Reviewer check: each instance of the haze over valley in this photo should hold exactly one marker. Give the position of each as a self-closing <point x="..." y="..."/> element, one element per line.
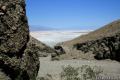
<point x="52" y="37"/>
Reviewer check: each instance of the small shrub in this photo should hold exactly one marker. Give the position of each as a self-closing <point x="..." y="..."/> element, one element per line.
<point x="80" y="73"/>
<point x="90" y="73"/>
<point x="70" y="73"/>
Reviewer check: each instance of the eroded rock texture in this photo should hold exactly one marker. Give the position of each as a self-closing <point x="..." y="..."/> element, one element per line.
<point x="104" y="48"/>
<point x="18" y="57"/>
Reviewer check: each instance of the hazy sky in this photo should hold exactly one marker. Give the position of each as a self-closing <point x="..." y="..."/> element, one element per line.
<point x="72" y="14"/>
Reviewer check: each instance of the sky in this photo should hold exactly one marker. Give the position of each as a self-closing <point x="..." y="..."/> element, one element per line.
<point x="72" y="14"/>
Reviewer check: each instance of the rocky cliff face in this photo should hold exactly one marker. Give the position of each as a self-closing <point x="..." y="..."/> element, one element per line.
<point x="18" y="57"/>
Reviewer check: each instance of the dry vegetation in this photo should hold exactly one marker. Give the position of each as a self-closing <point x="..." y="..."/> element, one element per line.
<point x="84" y="72"/>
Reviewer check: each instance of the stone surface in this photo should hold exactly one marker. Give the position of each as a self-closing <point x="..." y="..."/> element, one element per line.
<point x="18" y="56"/>
<point x="105" y="48"/>
<point x="13" y="26"/>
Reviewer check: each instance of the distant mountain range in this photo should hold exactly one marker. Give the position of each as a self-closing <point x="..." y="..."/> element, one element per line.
<point x="45" y="28"/>
<point x="40" y="28"/>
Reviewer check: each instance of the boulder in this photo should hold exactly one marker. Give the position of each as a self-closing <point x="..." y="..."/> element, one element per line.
<point x="58" y="51"/>
<point x="14" y="32"/>
<point x="18" y="57"/>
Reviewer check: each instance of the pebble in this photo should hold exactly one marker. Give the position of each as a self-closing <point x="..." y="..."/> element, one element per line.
<point x="3" y="8"/>
<point x="1" y="13"/>
<point x="14" y="28"/>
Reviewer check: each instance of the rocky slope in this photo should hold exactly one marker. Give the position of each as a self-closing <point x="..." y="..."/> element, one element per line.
<point x="43" y="49"/>
<point x="105" y="31"/>
<point x="18" y="56"/>
<point x="103" y="43"/>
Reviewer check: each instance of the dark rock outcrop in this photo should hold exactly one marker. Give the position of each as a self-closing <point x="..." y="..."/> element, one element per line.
<point x="58" y="51"/>
<point x="104" y="48"/>
<point x="18" y="57"/>
<point x="13" y="26"/>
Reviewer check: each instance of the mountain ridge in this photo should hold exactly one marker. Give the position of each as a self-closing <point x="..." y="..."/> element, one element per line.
<point x="101" y="32"/>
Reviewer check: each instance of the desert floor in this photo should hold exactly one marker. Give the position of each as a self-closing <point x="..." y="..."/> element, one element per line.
<point x="54" y="68"/>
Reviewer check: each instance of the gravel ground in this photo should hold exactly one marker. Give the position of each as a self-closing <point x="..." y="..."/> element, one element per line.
<point x="55" y="67"/>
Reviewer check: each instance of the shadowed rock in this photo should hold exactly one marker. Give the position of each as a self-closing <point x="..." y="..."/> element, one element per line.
<point x="13" y="26"/>
<point x="18" y="57"/>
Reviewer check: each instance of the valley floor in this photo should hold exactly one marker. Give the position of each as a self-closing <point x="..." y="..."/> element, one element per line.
<point x="55" y="67"/>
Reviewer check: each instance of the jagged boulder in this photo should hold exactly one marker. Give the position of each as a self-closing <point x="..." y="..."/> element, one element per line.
<point x="18" y="57"/>
<point x="13" y="26"/>
<point x="58" y="51"/>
